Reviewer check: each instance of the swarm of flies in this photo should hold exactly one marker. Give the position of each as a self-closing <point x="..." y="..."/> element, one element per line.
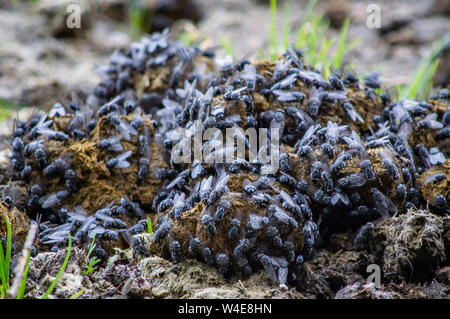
<point x="332" y="174"/>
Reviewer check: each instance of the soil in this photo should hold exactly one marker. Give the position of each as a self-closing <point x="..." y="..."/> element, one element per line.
<point x="339" y="270"/>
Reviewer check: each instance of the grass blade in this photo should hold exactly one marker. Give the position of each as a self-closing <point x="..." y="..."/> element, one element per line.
<point x="262" y="56"/>
<point x="341" y="46"/>
<point x="76" y="295"/>
<point x="426" y="84"/>
<point x="23" y="282"/>
<point x="325" y="46"/>
<point x="61" y="270"/>
<point x="411" y="90"/>
<point x="3" y="286"/>
<point x="302" y="36"/>
<point x="91" y="247"/>
<point x="303" y="28"/>
<point x="5" y="259"/>
<point x="8" y="250"/>
<point x="424" y="74"/>
<point x="226" y="44"/>
<point x="308" y="10"/>
<point x="286" y="27"/>
<point x="312" y="42"/>
<point x="149" y="226"/>
<point x="273" y="41"/>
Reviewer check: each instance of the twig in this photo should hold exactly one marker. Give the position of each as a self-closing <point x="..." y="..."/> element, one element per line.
<point x="244" y="290"/>
<point x="20" y="268"/>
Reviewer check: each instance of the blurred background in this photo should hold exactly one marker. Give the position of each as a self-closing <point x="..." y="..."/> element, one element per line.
<point x="42" y="60"/>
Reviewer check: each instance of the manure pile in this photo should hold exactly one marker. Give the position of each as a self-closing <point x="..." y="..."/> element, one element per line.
<point x="103" y="165"/>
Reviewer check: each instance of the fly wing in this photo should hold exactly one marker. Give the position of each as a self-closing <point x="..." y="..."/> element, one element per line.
<point x="358" y="116"/>
<point x="180" y="200"/>
<point x="174" y="182"/>
<point x="294" y="57"/>
<point x="336" y="197"/>
<point x="287" y="198"/>
<point x="282" y="273"/>
<point x="289" y="80"/>
<point x="246" y="182"/>
<point x="122" y="164"/>
<point x="222" y="181"/>
<point x="208" y="97"/>
<point x="46" y="131"/>
<point x="430" y="178"/>
<point x="125" y="127"/>
<point x="124" y="155"/>
<point x="169" y="104"/>
<point x="282" y="96"/>
<point x="115" y="145"/>
<point x="206" y="184"/>
<point x="275" y="124"/>
<point x="437" y="158"/>
<point x="242" y="89"/>
<point x="119" y="58"/>
<point x="196" y="169"/>
<point x="331" y="129"/>
<point x="385" y="156"/>
<point x="357" y="179"/>
<point x="356" y="138"/>
<point x="249" y="72"/>
<point x="176" y="199"/>
<point x="308" y="134"/>
<point x="79" y="211"/>
<point x="56" y="236"/>
<point x="431" y="117"/>
<point x="232" y="119"/>
<point x="270" y="271"/>
<point x="49" y="201"/>
<point x="87" y="223"/>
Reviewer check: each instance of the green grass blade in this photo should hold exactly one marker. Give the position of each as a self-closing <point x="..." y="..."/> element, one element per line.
<point x="425" y="72"/>
<point x="302" y="36"/>
<point x="262" y="56"/>
<point x="61" y="270"/>
<point x="273" y="39"/>
<point x="286" y="27"/>
<point x="8" y="251"/>
<point x="140" y="17"/>
<point x="5" y="259"/>
<point x="325" y="47"/>
<point x="76" y="295"/>
<point x="92" y="262"/>
<point x="303" y="28"/>
<point x="312" y="42"/>
<point x="186" y="38"/>
<point x="341" y="46"/>
<point x="308" y="10"/>
<point x="23" y="283"/>
<point x="327" y="69"/>
<point x="226" y="44"/>
<point x="3" y="287"/>
<point x="411" y="90"/>
<point x="91" y="247"/>
<point x="137" y="19"/>
<point x="426" y="84"/>
<point x="149" y="226"/>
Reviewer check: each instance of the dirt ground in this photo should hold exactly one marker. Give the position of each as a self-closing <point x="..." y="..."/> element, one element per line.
<point x="416" y="270"/>
<point x="39" y="66"/>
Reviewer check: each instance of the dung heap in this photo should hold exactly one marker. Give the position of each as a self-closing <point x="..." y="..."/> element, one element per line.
<point x="347" y="156"/>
